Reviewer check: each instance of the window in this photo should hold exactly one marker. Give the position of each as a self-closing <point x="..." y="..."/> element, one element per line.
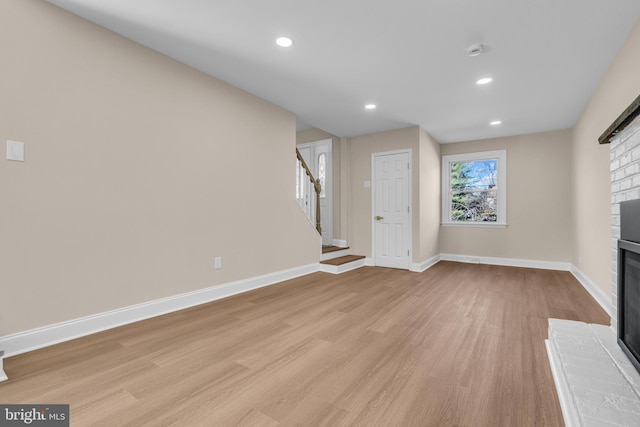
<point x="322" y="173"/>
<point x="299" y="180"/>
<point x="474" y="190"/>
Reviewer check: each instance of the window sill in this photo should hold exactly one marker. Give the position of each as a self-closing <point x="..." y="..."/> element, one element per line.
<point x="475" y="224"/>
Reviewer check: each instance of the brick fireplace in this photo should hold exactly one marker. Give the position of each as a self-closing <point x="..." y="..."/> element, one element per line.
<point x="625" y="185"/>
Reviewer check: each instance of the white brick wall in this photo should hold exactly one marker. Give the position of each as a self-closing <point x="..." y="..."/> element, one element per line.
<point x="625" y="185"/>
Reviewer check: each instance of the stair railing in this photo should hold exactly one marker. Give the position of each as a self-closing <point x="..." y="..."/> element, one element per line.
<point x="311" y="182"/>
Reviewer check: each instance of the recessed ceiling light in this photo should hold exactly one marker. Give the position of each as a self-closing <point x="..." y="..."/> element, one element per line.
<point x="484" y="80"/>
<point x="495" y="123"/>
<point x="284" y="42"/>
<point x="370" y="106"/>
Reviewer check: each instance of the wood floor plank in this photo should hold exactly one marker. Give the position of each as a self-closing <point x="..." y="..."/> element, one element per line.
<point x="459" y="344"/>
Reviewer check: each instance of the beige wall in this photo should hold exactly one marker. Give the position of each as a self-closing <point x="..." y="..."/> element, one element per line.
<point x="139" y="171"/>
<point x="312" y="135"/>
<point x="539" y="212"/>
<point x="430" y="200"/>
<point x="591" y="180"/>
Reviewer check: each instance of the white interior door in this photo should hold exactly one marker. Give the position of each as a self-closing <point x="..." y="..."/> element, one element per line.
<point x="391" y="216"/>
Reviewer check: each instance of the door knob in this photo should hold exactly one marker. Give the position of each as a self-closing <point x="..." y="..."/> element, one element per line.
<point x="378" y="217"/>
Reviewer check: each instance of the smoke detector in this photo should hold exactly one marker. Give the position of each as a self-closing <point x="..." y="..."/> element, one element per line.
<point x="475" y="50"/>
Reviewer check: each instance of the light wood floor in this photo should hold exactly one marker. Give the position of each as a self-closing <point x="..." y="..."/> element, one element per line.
<point x="459" y="344"/>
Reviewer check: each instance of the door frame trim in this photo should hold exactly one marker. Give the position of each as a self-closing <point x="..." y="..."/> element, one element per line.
<point x="409" y="236"/>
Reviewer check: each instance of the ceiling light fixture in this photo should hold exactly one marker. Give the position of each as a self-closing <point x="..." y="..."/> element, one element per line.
<point x="495" y="123"/>
<point x="370" y="106"/>
<point x="284" y="42"/>
<point x="484" y="81"/>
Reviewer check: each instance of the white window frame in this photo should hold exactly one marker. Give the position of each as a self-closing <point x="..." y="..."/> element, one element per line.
<point x="501" y="157"/>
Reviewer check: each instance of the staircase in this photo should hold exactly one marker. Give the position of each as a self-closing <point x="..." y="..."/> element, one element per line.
<point x="337" y="260"/>
<point x="308" y="191"/>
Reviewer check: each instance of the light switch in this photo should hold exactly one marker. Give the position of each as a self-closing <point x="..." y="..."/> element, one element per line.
<point x="367" y="184"/>
<point x="15" y="151"/>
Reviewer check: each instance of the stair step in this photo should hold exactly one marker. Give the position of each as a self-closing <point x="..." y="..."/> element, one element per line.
<point x="342" y="264"/>
<point x="329" y="249"/>
<point x="342" y="260"/>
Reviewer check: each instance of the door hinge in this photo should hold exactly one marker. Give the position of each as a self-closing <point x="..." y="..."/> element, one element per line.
<point x="407" y="253"/>
<point x="407" y="209"/>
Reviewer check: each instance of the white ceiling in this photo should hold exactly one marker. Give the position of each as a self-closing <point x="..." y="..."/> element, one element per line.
<point x="407" y="56"/>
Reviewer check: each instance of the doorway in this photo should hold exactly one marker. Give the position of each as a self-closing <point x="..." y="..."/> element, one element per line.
<point x="318" y="156"/>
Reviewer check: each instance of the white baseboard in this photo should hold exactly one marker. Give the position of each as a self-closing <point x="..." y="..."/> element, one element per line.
<point x="596" y="292"/>
<point x="509" y="262"/>
<point x="593" y="289"/>
<point x="53" y="334"/>
<point x="339" y="243"/>
<point x="419" y="267"/>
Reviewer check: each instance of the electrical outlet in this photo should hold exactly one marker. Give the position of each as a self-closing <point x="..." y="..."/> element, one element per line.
<point x="218" y="263"/>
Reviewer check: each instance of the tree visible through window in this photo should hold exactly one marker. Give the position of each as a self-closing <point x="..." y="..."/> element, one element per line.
<point x="474" y="191"/>
<point x="474" y="188"/>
